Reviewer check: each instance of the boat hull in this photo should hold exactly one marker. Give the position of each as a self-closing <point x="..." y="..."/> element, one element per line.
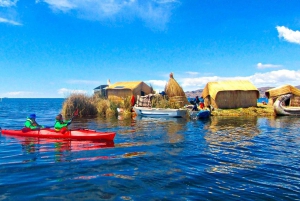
<point x="202" y="114"/>
<point x="79" y="134"/>
<point x="64" y="144"/>
<point x="281" y="110"/>
<point x="160" y="112"/>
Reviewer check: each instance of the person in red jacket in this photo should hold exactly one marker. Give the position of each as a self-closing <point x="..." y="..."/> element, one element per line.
<point x="132" y="100"/>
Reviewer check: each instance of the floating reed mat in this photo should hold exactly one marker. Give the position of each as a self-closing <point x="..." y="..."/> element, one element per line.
<point x="260" y="110"/>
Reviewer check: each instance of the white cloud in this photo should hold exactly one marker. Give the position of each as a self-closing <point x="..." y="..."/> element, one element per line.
<point x="63" y="5"/>
<point x="192" y="73"/>
<point x="3" y="20"/>
<point x="262" y="66"/>
<point x="158" y="85"/>
<point x="166" y="1"/>
<point x="64" y="91"/>
<point x="8" y="3"/>
<point x="276" y="78"/>
<point x="86" y="82"/>
<point x="288" y="34"/>
<point x="18" y="94"/>
<point x="155" y="16"/>
<point x="8" y="13"/>
<point x="15" y="93"/>
<point x="155" y="13"/>
<point x="268" y="79"/>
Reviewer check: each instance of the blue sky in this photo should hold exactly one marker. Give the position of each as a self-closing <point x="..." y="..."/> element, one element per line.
<point x="51" y="48"/>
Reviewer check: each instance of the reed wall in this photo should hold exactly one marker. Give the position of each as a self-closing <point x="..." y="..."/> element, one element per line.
<point x="233" y="99"/>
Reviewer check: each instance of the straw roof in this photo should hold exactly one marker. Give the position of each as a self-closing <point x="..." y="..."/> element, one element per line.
<point x="125" y="85"/>
<point x="172" y="88"/>
<point x="285" y="89"/>
<point x="212" y="88"/>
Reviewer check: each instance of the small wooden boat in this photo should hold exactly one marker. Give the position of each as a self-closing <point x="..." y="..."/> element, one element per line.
<point x="160" y="112"/>
<point x="78" y="134"/>
<point x="201" y="114"/>
<point x="280" y="109"/>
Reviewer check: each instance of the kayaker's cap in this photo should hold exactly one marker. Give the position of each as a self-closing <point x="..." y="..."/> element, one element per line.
<point x="58" y="117"/>
<point x="32" y="116"/>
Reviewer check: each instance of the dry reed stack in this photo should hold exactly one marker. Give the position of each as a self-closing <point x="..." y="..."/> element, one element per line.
<point x="175" y="92"/>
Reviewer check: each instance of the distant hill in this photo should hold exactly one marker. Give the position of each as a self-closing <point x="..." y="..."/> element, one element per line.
<point x="198" y="92"/>
<point x="262" y="91"/>
<point x="193" y="94"/>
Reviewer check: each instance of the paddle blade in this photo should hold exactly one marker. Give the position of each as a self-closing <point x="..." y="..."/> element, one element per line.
<point x="75" y="113"/>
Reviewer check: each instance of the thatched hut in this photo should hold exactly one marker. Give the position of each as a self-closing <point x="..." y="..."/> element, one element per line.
<point x="174" y="92"/>
<point x="101" y="90"/>
<point x="274" y="93"/>
<point x="230" y="94"/>
<point x="120" y="90"/>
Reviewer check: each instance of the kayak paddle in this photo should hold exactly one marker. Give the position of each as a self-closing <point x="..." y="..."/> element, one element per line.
<point x="75" y="113"/>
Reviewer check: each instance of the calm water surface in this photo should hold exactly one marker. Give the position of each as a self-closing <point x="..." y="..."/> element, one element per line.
<point x="150" y="159"/>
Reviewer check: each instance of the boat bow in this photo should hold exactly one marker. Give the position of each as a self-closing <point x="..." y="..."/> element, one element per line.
<point x="280" y="109"/>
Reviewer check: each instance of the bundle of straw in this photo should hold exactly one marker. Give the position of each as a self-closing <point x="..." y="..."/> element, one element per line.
<point x="172" y="88"/>
<point x="175" y="92"/>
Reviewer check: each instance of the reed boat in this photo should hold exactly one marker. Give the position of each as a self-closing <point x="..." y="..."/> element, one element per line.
<point x="282" y="110"/>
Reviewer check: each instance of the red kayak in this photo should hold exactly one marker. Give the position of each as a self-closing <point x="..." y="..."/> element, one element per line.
<point x="78" y="134"/>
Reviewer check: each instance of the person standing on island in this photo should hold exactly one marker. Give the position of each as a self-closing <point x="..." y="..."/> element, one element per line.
<point x="197" y="100"/>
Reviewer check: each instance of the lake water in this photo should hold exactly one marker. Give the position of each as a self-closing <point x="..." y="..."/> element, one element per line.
<point x="151" y="159"/>
<point x="260" y="100"/>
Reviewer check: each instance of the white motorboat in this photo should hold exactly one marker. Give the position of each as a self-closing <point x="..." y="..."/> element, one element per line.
<point x="160" y="112"/>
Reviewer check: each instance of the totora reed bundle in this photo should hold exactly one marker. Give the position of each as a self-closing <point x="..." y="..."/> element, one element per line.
<point x="175" y="92"/>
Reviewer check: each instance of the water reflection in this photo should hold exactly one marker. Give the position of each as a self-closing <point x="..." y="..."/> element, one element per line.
<point x="231" y="129"/>
<point x="61" y="145"/>
<point x="229" y="140"/>
<point x="172" y="126"/>
<point x="284" y="121"/>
